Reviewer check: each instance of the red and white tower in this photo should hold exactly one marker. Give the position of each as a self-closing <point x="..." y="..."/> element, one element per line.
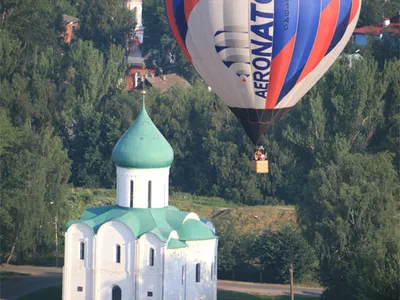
<point x="134" y="57"/>
<point x="136" y="6"/>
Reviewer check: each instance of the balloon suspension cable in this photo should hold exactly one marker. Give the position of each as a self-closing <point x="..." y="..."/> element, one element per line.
<point x="262" y="135"/>
<point x="273" y="119"/>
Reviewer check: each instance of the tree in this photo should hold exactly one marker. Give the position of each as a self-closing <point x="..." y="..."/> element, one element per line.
<point x="104" y="22"/>
<point x="18" y="17"/>
<point x="276" y="251"/>
<point x="349" y="213"/>
<point x="341" y="113"/>
<point x="94" y="75"/>
<point x="387" y="135"/>
<point x="160" y="44"/>
<point x="374" y="11"/>
<point x="10" y="51"/>
<point x="233" y="247"/>
<point x="34" y="166"/>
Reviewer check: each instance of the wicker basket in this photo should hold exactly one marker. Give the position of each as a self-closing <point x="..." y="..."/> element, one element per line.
<point x="259" y="166"/>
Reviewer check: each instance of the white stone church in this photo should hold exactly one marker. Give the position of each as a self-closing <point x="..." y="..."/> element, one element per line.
<point x="140" y="248"/>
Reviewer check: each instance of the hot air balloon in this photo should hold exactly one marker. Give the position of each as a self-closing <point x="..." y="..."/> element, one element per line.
<point x="261" y="56"/>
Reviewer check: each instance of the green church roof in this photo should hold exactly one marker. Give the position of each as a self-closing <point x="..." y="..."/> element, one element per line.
<point x="175" y="244"/>
<point x="159" y="221"/>
<point x="194" y="230"/>
<point x="143" y="146"/>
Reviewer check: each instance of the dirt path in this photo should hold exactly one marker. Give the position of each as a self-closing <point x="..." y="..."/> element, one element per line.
<point x="42" y="277"/>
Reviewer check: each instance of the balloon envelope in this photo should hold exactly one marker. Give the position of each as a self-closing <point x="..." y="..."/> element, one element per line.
<point x="261" y="56"/>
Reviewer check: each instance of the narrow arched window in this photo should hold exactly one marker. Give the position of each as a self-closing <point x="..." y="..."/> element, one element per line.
<point x="212" y="270"/>
<point x="183" y="274"/>
<point x="82" y="251"/>
<point x="151" y="257"/>
<point x="117" y="253"/>
<point x="131" y="194"/>
<point x="198" y="273"/>
<point x="149" y="195"/>
<point x="116" y="293"/>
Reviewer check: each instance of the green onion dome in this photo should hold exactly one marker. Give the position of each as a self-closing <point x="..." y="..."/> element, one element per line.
<point x="143" y="146"/>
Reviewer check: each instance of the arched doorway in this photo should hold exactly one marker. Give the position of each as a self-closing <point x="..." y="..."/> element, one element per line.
<point x="116" y="293"/>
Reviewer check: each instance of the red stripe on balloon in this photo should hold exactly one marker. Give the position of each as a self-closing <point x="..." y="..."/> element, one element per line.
<point x="279" y="68"/>
<point x="172" y="22"/>
<point x="326" y="30"/>
<point x="354" y="9"/>
<point x="189" y="5"/>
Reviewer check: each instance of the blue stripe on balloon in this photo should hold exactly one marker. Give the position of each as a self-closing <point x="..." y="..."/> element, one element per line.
<point x="285" y="24"/>
<point x="343" y="20"/>
<point x="220" y="48"/>
<point x="219" y="32"/>
<point x="309" y="16"/>
<point x="180" y="19"/>
<point x="228" y="63"/>
<point x="325" y="4"/>
<point x="288" y="85"/>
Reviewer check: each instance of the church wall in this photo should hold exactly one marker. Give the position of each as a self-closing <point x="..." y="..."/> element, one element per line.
<point x="108" y="271"/>
<point x="205" y="254"/>
<point x="78" y="263"/>
<point x="159" y="187"/>
<point x="174" y="278"/>
<point x="149" y="276"/>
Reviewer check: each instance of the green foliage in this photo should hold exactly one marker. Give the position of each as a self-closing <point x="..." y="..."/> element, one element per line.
<point x="164" y="51"/>
<point x="34" y="166"/>
<point x="18" y="17"/>
<point x="104" y="22"/>
<point x="373" y="11"/>
<point x="273" y="252"/>
<point x="335" y="155"/>
<point x="49" y="91"/>
<point x="228" y="295"/>
<point x="341" y="114"/>
<point x="232" y="247"/>
<point x="10" y="50"/>
<point x="350" y="214"/>
<point x="264" y="256"/>
<point x="54" y="292"/>
<point x="387" y="136"/>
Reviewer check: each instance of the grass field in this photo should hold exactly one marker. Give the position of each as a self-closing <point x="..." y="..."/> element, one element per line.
<point x="51" y="293"/>
<point x="226" y="295"/>
<point x="250" y="218"/>
<point x="54" y="293"/>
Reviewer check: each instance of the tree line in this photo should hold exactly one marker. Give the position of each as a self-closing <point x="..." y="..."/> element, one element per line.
<point x="335" y="155"/>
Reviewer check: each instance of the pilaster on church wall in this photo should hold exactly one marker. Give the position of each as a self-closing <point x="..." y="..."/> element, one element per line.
<point x="108" y="271"/>
<point x="149" y="278"/>
<point x="175" y="274"/>
<point x="203" y="252"/>
<point x="78" y="272"/>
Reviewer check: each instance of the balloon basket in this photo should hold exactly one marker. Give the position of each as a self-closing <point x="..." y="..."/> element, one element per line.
<point x="259" y="166"/>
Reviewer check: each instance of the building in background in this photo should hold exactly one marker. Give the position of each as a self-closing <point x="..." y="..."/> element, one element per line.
<point x="136" y="6"/>
<point x="389" y="27"/>
<point x="133" y="55"/>
<point x="140" y="248"/>
<point x="71" y="26"/>
<point x="166" y="81"/>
